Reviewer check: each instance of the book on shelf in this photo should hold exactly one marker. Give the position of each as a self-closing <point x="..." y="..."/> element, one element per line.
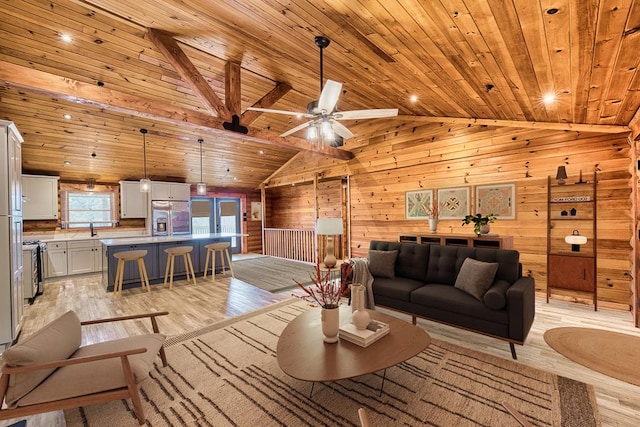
<point x="364" y="337"/>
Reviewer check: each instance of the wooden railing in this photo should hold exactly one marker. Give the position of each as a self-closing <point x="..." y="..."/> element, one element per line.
<point x="299" y="245"/>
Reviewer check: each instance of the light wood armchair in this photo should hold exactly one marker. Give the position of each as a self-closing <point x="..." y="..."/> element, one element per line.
<point x="50" y="371"/>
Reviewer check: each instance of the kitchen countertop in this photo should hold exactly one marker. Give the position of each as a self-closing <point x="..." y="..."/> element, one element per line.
<point x="160" y="239"/>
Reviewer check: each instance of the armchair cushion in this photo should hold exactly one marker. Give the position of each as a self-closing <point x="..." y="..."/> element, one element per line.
<point x="57" y="340"/>
<point x="92" y="377"/>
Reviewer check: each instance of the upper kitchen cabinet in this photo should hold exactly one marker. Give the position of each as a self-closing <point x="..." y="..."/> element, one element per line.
<point x="170" y="191"/>
<point x="40" y="197"/>
<point x="133" y="202"/>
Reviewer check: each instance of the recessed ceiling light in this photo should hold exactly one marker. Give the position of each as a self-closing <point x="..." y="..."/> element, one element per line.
<point x="413" y="98"/>
<point x="66" y="38"/>
<point x="67" y="116"/>
<point x="67" y="162"/>
<point x="261" y="152"/>
<point x="549" y="98"/>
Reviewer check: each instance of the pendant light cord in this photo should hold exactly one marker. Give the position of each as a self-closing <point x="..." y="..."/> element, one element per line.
<point x="200" y="141"/>
<point x="144" y="150"/>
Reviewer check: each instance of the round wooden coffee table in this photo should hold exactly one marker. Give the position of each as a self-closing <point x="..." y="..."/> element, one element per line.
<point x="302" y="354"/>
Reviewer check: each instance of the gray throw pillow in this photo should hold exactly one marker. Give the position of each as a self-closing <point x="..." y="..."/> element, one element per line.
<point x="382" y="263"/>
<point x="476" y="277"/>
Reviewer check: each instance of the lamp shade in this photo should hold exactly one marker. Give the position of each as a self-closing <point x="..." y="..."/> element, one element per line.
<point x="329" y="226"/>
<point x="562" y="173"/>
<point x="573" y="239"/>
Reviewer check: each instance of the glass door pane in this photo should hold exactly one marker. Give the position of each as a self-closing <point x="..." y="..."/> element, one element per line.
<point x="228" y="220"/>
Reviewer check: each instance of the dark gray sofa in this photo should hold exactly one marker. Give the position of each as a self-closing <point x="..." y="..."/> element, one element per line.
<point x="423" y="286"/>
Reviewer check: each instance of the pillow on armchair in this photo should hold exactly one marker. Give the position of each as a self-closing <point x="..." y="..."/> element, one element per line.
<point x="57" y="340"/>
<point x="383" y="263"/>
<point x="476" y="277"/>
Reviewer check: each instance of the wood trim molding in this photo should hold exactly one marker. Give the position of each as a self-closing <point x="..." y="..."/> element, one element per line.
<point x="232" y="88"/>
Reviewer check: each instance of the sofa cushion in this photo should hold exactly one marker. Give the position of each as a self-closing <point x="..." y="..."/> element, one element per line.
<point x="398" y="288"/>
<point x="508" y="260"/>
<point x="412" y="261"/>
<point x="444" y="264"/>
<point x="453" y="300"/>
<point x="496" y="297"/>
<point x="382" y="263"/>
<point x="92" y="377"/>
<point x="476" y="277"/>
<point x="57" y="340"/>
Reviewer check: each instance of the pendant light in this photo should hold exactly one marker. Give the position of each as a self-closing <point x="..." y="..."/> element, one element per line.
<point x="201" y="187"/>
<point x="145" y="183"/>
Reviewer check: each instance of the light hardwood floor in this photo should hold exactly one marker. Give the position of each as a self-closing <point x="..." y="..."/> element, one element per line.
<point x="193" y="307"/>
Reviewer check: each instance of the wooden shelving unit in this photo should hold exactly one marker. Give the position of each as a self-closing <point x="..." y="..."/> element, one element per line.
<point x="489" y="241"/>
<point x="571" y="208"/>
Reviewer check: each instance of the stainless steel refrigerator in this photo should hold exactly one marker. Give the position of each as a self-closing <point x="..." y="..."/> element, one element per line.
<point x="11" y="269"/>
<point x="171" y="217"/>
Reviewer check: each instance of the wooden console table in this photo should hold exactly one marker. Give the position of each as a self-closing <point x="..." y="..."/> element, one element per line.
<point x="488" y="241"/>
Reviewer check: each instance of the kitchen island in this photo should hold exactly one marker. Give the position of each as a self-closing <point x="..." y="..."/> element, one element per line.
<point x="156" y="258"/>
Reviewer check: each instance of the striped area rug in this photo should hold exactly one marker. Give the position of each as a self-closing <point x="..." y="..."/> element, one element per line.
<point x="227" y="375"/>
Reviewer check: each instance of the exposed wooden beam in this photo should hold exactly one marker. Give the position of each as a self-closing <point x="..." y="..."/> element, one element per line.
<point x="578" y="127"/>
<point x="102" y="97"/>
<point x="266" y="101"/>
<point x="634" y="124"/>
<point x="189" y="73"/>
<point x="232" y="88"/>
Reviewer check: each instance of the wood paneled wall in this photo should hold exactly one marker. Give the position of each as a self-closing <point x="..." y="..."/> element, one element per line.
<point x="389" y="163"/>
<point x="297" y="207"/>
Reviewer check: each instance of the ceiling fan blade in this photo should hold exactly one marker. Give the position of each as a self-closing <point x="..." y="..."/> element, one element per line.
<point x="329" y="96"/>
<point x="288" y="113"/>
<point x="365" y="114"/>
<point x="341" y="130"/>
<point x="295" y="129"/>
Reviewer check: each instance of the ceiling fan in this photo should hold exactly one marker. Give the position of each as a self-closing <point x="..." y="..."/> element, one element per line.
<point x="324" y="121"/>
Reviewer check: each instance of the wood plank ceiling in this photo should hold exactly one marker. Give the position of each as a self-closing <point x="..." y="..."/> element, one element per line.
<point x="463" y="59"/>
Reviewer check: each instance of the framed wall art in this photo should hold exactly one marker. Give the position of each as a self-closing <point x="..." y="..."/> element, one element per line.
<point x="418" y="204"/>
<point x="454" y="202"/>
<point x="256" y="211"/>
<point x="498" y="199"/>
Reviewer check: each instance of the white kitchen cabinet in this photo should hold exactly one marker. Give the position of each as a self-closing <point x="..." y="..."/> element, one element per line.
<point x="170" y="191"/>
<point x="133" y="202"/>
<point x="97" y="255"/>
<point x="40" y="197"/>
<point x="56" y="259"/>
<point x="80" y="257"/>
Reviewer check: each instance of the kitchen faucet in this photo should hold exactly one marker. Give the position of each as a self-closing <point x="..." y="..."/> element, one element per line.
<point x="93" y="233"/>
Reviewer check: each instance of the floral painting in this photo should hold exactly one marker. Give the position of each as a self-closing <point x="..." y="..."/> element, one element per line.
<point x="418" y="204"/>
<point x="454" y="202"/>
<point x="498" y="199"/>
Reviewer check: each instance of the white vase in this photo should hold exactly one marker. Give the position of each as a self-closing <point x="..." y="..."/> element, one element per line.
<point x="360" y="317"/>
<point x="433" y="225"/>
<point x="484" y="229"/>
<point x="330" y="324"/>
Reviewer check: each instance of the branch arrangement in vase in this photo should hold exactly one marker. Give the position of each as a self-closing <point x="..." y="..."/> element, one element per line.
<point x="324" y="291"/>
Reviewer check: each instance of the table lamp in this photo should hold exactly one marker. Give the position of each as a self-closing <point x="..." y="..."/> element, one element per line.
<point x="575" y="240"/>
<point x="561" y="175"/>
<point x="329" y="227"/>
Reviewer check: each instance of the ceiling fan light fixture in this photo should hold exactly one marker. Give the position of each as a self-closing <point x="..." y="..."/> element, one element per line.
<point x="312" y="132"/>
<point x="327" y="130"/>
